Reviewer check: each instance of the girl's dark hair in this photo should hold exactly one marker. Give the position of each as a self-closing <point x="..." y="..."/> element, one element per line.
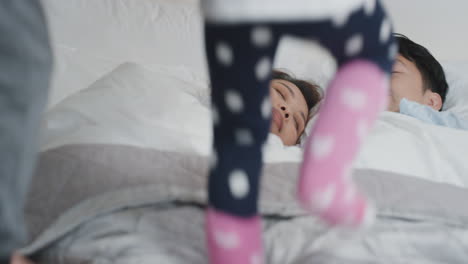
<point x="311" y="91"/>
<point x="432" y="72"/>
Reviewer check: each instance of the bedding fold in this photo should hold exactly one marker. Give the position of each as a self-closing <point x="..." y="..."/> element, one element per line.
<point x="77" y="183"/>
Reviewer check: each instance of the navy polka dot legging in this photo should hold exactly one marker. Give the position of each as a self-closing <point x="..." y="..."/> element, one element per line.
<point x="240" y="56"/>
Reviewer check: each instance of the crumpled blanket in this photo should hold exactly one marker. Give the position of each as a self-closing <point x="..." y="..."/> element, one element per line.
<point x="121" y="204"/>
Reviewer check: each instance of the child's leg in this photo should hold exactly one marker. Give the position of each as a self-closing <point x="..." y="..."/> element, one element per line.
<point x="239" y="59"/>
<point x="240" y="68"/>
<point x="353" y="100"/>
<point x="355" y="97"/>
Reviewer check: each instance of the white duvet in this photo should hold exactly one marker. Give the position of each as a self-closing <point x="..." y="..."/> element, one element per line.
<point x="136" y="106"/>
<point x="161" y="100"/>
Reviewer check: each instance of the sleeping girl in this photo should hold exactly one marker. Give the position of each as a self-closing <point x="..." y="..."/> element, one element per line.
<point x="291" y="103"/>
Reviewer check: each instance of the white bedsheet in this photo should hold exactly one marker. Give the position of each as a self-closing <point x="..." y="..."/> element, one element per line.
<point x="136" y="106"/>
<point x="407" y="145"/>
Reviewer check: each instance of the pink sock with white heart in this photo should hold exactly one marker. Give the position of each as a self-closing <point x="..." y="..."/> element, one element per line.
<point x="233" y="240"/>
<point x="353" y="100"/>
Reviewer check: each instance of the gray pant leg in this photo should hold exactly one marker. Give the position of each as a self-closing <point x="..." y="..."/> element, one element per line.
<point x="25" y="68"/>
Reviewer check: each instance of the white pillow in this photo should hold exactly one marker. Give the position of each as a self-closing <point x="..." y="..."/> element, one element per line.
<point x="134" y="106"/>
<point x="457" y="96"/>
<point x="75" y="70"/>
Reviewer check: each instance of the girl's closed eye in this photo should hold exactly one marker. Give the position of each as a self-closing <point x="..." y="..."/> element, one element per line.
<point x="281" y="94"/>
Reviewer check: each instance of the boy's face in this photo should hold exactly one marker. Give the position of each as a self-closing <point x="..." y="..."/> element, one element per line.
<point x="407" y="82"/>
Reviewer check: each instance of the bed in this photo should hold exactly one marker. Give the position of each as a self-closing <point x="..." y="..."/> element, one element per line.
<point x="126" y="145"/>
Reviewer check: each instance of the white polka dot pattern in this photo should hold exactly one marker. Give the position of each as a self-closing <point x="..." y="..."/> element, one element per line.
<point x="385" y="31"/>
<point x="322" y="146"/>
<point x="244" y="137"/>
<point x="263" y="68"/>
<point x="354" y="45"/>
<point x="335" y="193"/>
<point x="226" y="240"/>
<point x="234" y="101"/>
<point x="224" y="54"/>
<point x="340" y="19"/>
<point x="369" y="7"/>
<point x="322" y="199"/>
<point x="239" y="184"/>
<point x="353" y="99"/>
<point x="261" y="36"/>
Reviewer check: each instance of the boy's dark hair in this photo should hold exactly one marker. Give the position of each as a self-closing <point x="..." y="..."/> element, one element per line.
<point x="432" y="72"/>
<point x="311" y="91"/>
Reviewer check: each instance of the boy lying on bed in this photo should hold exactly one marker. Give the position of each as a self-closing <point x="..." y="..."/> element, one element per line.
<point x="419" y="87"/>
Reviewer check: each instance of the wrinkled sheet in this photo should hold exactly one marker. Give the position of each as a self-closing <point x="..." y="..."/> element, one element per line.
<point x="174" y="234"/>
<point x="121" y="204"/>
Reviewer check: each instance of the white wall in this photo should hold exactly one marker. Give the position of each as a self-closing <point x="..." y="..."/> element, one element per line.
<point x="439" y="25"/>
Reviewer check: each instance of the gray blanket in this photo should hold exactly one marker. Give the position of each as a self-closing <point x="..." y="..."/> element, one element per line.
<point x="82" y="195"/>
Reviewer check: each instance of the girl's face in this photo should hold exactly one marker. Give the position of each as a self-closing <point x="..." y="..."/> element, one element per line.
<point x="289" y="111"/>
